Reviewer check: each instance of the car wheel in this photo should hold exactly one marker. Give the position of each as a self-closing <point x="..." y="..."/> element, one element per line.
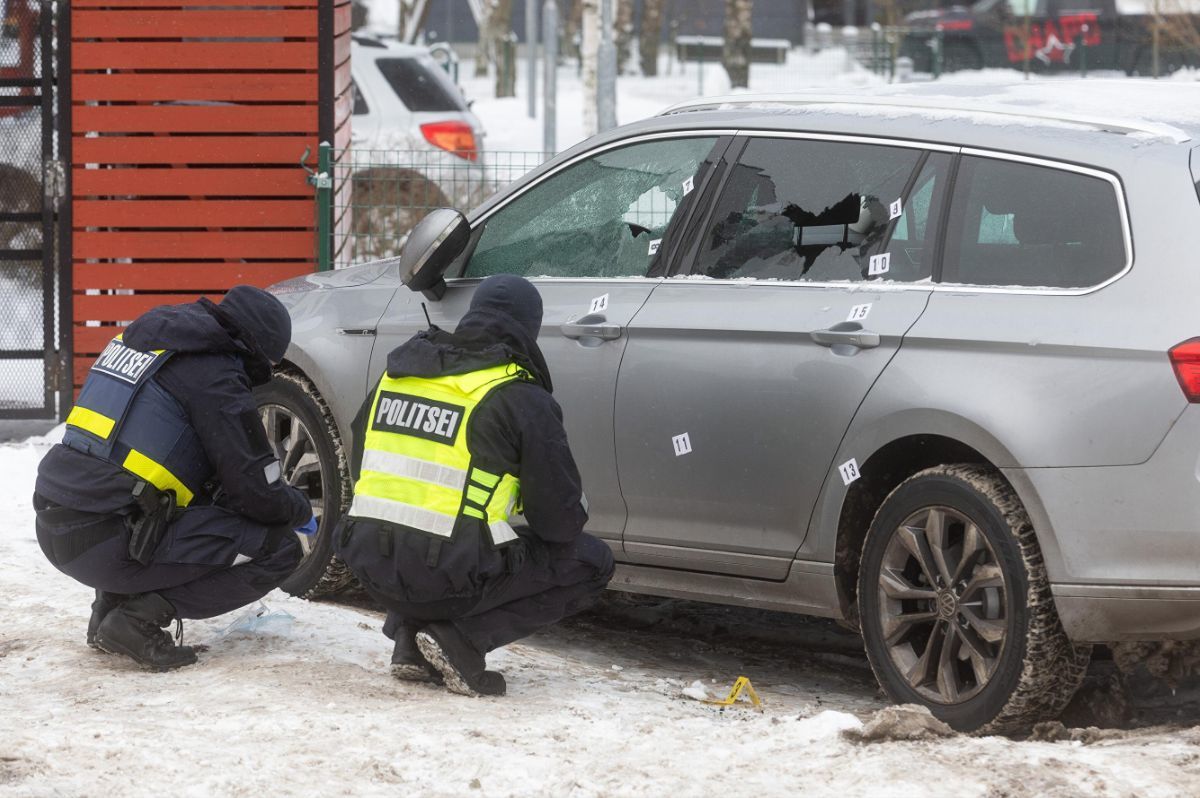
<point x="955" y="604"/>
<point x="301" y="430"/>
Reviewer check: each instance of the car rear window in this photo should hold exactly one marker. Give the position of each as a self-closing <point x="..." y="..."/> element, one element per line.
<point x="421" y="85"/>
<point x="1025" y="225"/>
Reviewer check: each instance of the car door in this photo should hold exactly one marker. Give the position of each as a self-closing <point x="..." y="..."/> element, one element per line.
<point x="588" y="235"/>
<point x="738" y="384"/>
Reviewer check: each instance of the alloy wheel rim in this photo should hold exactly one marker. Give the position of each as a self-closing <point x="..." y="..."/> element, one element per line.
<point x="943" y="606"/>
<point x="300" y="466"/>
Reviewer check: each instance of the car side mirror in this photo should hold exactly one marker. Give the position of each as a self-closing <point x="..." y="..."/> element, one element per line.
<point x="432" y="246"/>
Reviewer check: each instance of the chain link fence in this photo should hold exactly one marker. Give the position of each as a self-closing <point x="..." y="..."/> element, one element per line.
<point x="26" y="298"/>
<point x="377" y="196"/>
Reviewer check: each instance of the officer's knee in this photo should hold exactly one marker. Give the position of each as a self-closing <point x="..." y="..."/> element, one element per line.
<point x="596" y="553"/>
<point x="290" y="551"/>
<point x="283" y="550"/>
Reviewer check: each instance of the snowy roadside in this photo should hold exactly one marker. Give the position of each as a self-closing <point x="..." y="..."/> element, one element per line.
<point x="595" y="707"/>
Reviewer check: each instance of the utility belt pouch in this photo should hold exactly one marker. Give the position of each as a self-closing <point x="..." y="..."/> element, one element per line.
<point x="148" y="524"/>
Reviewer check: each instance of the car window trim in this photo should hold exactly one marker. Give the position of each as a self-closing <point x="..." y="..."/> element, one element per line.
<point x="1122" y="211"/>
<point x="687" y="259"/>
<point x="680" y="230"/>
<point x="687" y="265"/>
<point x="458" y="268"/>
<point x="957" y="288"/>
<point x="945" y="210"/>
<point x="905" y="195"/>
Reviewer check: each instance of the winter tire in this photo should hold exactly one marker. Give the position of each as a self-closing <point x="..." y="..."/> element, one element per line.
<point x="955" y="604"/>
<point x="300" y="428"/>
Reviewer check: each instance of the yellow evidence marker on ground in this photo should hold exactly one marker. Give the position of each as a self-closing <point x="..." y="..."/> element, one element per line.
<point x="741" y="685"/>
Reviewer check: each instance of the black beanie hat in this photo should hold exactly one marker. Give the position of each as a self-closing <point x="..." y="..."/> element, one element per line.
<point x="513" y="296"/>
<point x="261" y="315"/>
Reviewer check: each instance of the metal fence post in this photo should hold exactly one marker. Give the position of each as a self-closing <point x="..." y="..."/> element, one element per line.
<point x="531" y="53"/>
<point x="939" y="42"/>
<point x="323" y="180"/>
<point x="1083" y="52"/>
<point x="550" y="82"/>
<point x="877" y="65"/>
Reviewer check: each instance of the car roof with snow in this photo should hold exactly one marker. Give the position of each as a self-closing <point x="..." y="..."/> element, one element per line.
<point x="1114" y="119"/>
<point x="1159" y="110"/>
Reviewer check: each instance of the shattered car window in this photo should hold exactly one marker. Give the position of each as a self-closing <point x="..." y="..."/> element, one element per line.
<point x="602" y="217"/>
<point x="808" y="210"/>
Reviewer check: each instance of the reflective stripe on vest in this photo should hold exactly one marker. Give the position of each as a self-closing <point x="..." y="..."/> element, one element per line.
<point x="124" y="418"/>
<point x="417" y="469"/>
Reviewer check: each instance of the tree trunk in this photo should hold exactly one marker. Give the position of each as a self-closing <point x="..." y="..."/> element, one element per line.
<point x="482" y="51"/>
<point x="736" y="57"/>
<point x="623" y="35"/>
<point x="499" y="26"/>
<point x="571" y="36"/>
<point x="651" y="34"/>
<point x="589" y="55"/>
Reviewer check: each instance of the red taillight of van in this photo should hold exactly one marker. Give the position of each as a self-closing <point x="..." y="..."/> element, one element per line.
<point x="453" y="137"/>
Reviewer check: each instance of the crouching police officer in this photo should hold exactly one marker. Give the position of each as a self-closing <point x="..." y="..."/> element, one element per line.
<point x="165" y="495"/>
<point x="461" y="432"/>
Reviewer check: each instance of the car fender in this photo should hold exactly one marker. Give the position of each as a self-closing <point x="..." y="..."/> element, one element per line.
<point x="333" y="332"/>
<point x="870" y="433"/>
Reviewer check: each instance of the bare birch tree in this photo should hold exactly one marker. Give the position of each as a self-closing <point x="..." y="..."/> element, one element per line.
<point x="736" y="55"/>
<point x="590" y="58"/>
<point x="483" y="54"/>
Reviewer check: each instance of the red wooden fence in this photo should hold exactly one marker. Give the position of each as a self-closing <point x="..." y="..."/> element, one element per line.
<point x="189" y="119"/>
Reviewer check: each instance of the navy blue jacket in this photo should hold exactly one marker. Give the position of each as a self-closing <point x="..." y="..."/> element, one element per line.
<point x="216" y="362"/>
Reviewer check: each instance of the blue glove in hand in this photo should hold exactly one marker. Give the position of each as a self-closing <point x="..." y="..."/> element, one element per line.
<point x="309" y="528"/>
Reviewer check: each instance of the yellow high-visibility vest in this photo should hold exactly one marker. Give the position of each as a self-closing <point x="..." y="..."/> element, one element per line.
<point x="417" y="470"/>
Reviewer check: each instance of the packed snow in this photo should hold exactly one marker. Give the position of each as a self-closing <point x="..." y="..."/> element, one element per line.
<point x="299" y="701"/>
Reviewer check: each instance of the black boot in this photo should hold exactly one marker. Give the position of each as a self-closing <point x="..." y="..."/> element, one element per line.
<point x="407" y="663"/>
<point x="460" y="664"/>
<point x="135" y="630"/>
<point x="102" y="606"/>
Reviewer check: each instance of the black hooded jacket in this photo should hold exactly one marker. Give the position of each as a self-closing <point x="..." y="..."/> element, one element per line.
<point x="517" y="429"/>
<point x="219" y="353"/>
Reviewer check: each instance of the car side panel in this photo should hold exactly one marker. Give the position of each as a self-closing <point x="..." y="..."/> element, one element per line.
<point x="735" y="368"/>
<point x="1075" y="387"/>
<point x="336" y="362"/>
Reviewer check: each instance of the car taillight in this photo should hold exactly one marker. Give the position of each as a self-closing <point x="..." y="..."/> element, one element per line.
<point x="1185" y="359"/>
<point x="454" y="137"/>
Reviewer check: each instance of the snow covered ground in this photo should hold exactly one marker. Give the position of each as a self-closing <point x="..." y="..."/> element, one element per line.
<point x="596" y="707"/>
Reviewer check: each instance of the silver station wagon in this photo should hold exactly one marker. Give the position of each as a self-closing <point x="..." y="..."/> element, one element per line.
<point x="923" y="361"/>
